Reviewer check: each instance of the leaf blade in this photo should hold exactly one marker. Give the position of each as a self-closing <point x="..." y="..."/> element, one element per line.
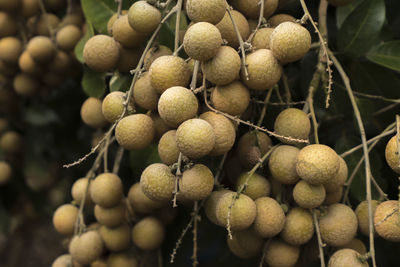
<point x="387" y="55"/>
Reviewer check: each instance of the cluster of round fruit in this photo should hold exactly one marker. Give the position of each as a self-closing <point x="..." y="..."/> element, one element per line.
<point x="36" y="49"/>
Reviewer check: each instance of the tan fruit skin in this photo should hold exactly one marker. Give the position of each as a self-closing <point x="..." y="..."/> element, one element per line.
<point x="68" y="37"/>
<point x="262" y="38"/>
<point x="64" y="219"/>
<point x="86" y="247"/>
<point x="263" y="69"/>
<point x="11" y="142"/>
<point x="168" y="149"/>
<point x="112" y="19"/>
<point x="282" y="164"/>
<point x="78" y="191"/>
<point x="307" y="195"/>
<point x="121" y="259"/>
<point x="91" y="113"/>
<point x="112" y="106"/>
<point x="110" y="217"/>
<point x="357" y="245"/>
<point x="227" y="30"/>
<point x="281" y="254"/>
<point x="294" y="123"/>
<point x="258" y="186"/>
<point x="125" y="34"/>
<point x="148" y="234"/>
<point x="106" y="190"/>
<point x="232" y="98"/>
<point x="154" y="53"/>
<point x="339" y="226"/>
<point x="392" y="159"/>
<point x="346" y="257"/>
<point x="245" y="244"/>
<point x="101" y="53"/>
<point x="144" y="17"/>
<point x="129" y="58"/>
<point x="299" y="227"/>
<point x="140" y="202"/>
<point x="157" y="182"/>
<point x="159" y="124"/>
<point x="10" y="49"/>
<point x="197" y="182"/>
<point x="211" y="11"/>
<point x="251" y="147"/>
<point x="135" y="131"/>
<point x="117" y="238"/>
<point x="333" y="197"/>
<point x="270" y="218"/>
<point x="210" y="206"/>
<point x="251" y="8"/>
<point x="5" y="172"/>
<point x="362" y="216"/>
<point x="25" y="85"/>
<point x="144" y="93"/>
<point x="64" y="260"/>
<point x="277" y="19"/>
<point x="390" y="228"/>
<point x="340" y="178"/>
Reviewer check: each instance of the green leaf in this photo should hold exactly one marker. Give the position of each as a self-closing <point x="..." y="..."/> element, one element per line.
<point x="81" y="44"/>
<point x="387" y="55"/>
<point x="93" y="83"/>
<point x="344" y="11"/>
<point x="362" y="27"/>
<point x="120" y="82"/>
<point x="98" y="12"/>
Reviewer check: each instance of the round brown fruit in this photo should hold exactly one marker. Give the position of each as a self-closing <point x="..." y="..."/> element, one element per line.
<point x="106" y="190"/>
<point x="257" y="185"/>
<point x="245" y="244"/>
<point x="387" y="220"/>
<point x="5" y="172"/>
<point x="144" y="17"/>
<point x="392" y="156"/>
<point x="346" y="257"/>
<point x="251" y="8"/>
<point x="157" y="182"/>
<point x="86" y="247"/>
<point x="101" y="53"/>
<point x="282" y="164"/>
<point x="281" y="254"/>
<point x="197" y="182"/>
<point x="148" y="233"/>
<point x="135" y="131"/>
<point x="91" y="113"/>
<point x="145" y="95"/>
<point x="110" y="217"/>
<point x="292" y="123"/>
<point x="125" y="34"/>
<point x="308" y="196"/>
<point x="11" y="49"/>
<point x="64" y="219"/>
<point x="168" y="149"/>
<point x="211" y="11"/>
<point x="67" y="37"/>
<point x="299" y="227"/>
<point x="362" y="216"/>
<point x="140" y="202"/>
<point x="117" y="238"/>
<point x="277" y="19"/>
<point x="270" y="218"/>
<point x="251" y="147"/>
<point x="228" y="33"/>
<point x="233" y="98"/>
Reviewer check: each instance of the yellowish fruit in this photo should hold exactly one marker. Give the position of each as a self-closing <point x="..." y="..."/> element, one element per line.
<point x="338" y="226"/>
<point x="144" y="17"/>
<point x="195" y="138"/>
<point x="362" y="216"/>
<point x="111" y="217"/>
<point x="299" y="227"/>
<point x="257" y="185"/>
<point x="340" y="178"/>
<point x="5" y="172"/>
<point x="210" y="206"/>
<point x="99" y="263"/>
<point x="122" y="259"/>
<point x="232" y="98"/>
<point x="129" y="58"/>
<point x="290" y="42"/>
<point x="211" y="11"/>
<point x="79" y="189"/>
<point x="197" y="182"/>
<point x="251" y="8"/>
<point x="106" y="190"/>
<point x="339" y="2"/>
<point x="169" y="71"/>
<point x="391" y="155"/>
<point x="292" y="123"/>
<point x="176" y="105"/>
<point x="282" y="164"/>
<point x="67" y="37"/>
<point x="41" y="49"/>
<point x="245" y="244"/>
<point x="112" y="19"/>
<point x="277" y="19"/>
<point x="8" y="26"/>
<point x="135" y="131"/>
<point x="60" y="63"/>
<point x="140" y="202"/>
<point x="227" y="30"/>
<point x="317" y="164"/>
<point x="251" y="147"/>
<point x="44" y="22"/>
<point x="154" y="53"/>
<point x="307" y="195"/>
<point x="65" y="261"/>
<point x="387" y="220"/>
<point x="262" y="38"/>
<point x="270" y="218"/>
<point x="357" y="245"/>
<point x="144" y="93"/>
<point x="224" y="67"/>
<point x="125" y="34"/>
<point x="64" y="219"/>
<point x="333" y="197"/>
<point x="148" y="233"/>
<point x="25" y="85"/>
<point x="224" y="131"/>
<point x="28" y="65"/>
<point x="11" y="142"/>
<point x="243" y="211"/>
<point x="159" y="124"/>
<point x="117" y="238"/>
<point x="91" y="113"/>
<point x="101" y="53"/>
<point x="168" y="149"/>
<point x="112" y="106"/>
<point x="10" y="49"/>
<point x="346" y="257"/>
<point x="157" y="182"/>
<point x="281" y="254"/>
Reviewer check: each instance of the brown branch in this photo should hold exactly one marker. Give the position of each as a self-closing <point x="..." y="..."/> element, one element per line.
<point x="195" y="214"/>
<point x="178" y="174"/>
<point x="118" y="159"/>
<point x="178" y="8"/>
<point x="264" y="109"/>
<point x="194" y="76"/>
<point x="321" y="245"/>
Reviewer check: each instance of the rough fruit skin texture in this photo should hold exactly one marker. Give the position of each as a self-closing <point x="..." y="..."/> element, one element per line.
<point x="168" y="149"/>
<point x="245" y="244"/>
<point x="263" y="69"/>
<point x="346" y="257"/>
<point x="10" y="49"/>
<point x="251" y="147"/>
<point x="282" y="164"/>
<point x="333" y="197"/>
<point x="197" y="182"/>
<point x="277" y="19"/>
<point x="293" y="123"/>
<point x="339" y="179"/>
<point x="195" y="138"/>
<point x="243" y="211"/>
<point x="262" y="38"/>
<point x="251" y="8"/>
<point x="362" y="216"/>
<point x="290" y="42"/>
<point x="210" y="206"/>
<point x="148" y="234"/>
<point x="91" y="113"/>
<point x="224" y="131"/>
<point x="270" y="218"/>
<point x="232" y="98"/>
<point x="211" y="11"/>
<point x="140" y="202"/>
<point x="317" y="164"/>
<point x="28" y="65"/>
<point x="339" y="2"/>
<point x="106" y="190"/>
<point x="86" y="248"/>
<point x="390" y="228"/>
<point x="78" y="190"/>
<point x="144" y="93"/>
<point x="201" y="41"/>
<point x="154" y="53"/>
<point x="281" y="254"/>
<point x="169" y="71"/>
<point x="176" y="105"/>
<point x="121" y="259"/>
<point x="110" y="217"/>
<point x="117" y="238"/>
<point x="125" y="34"/>
<point x="157" y="182"/>
<point x="357" y="245"/>
<point x="68" y="37"/>
<point x="299" y="227"/>
<point x="112" y="19"/>
<point x="307" y="195"/>
<point x="227" y="30"/>
<point x="144" y="17"/>
<point x="339" y="226"/>
<point x="64" y="219"/>
<point x="392" y="159"/>
<point x="135" y="131"/>
<point x="224" y="67"/>
<point x="159" y="124"/>
<point x="5" y="172"/>
<point x="113" y="106"/>
<point x="258" y="186"/>
<point x="101" y="53"/>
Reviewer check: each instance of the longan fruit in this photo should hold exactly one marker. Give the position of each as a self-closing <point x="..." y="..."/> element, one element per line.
<point x="99" y="263"/>
<point x="125" y="34"/>
<point x="391" y="155"/>
<point x="252" y="146"/>
<point x="65" y="260"/>
<point x="44" y="22"/>
<point x="67" y="37"/>
<point x="159" y="124"/>
<point x="101" y="53"/>
<point x="60" y="63"/>
<point x="233" y="98"/>
<point x="387" y="220"/>
<point x="228" y="33"/>
<point x="148" y="233"/>
<point x="333" y="197"/>
<point x="282" y="164"/>
<point x="242" y="214"/>
<point x="169" y="71"/>
<point x="117" y="238"/>
<point x="339" y="225"/>
<point x="11" y="142"/>
<point x="176" y="105"/>
<point x="197" y="182"/>
<point x="122" y="259"/>
<point x="135" y="131"/>
<point x="112" y="106"/>
<point x="10" y="49"/>
<point x="339" y="179"/>
<point x="157" y="182"/>
<point x="154" y="53"/>
<point x="224" y="67"/>
<point x="362" y="216"/>
<point x="245" y="244"/>
<point x="257" y="186"/>
<point x="8" y="25"/>
<point x="112" y="216"/>
<point x="307" y="195"/>
<point x="251" y="8"/>
<point x="317" y="164"/>
<point x="211" y="11"/>
<point x="112" y="19"/>
<point x="357" y="245"/>
<point x="299" y="227"/>
<point x="210" y="206"/>
<point x="29" y="8"/>
<point x="5" y="172"/>
<point x="293" y="123"/>
<point x="64" y="219"/>
<point x="91" y="113"/>
<point x="140" y="202"/>
<point x="144" y="17"/>
<point x="290" y="42"/>
<point x="106" y="190"/>
<point x="262" y="38"/>
<point x="78" y="191"/>
<point x="76" y="19"/>
<point x="28" y="65"/>
<point x="145" y="95"/>
<point x="41" y="49"/>
<point x="25" y="85"/>
<point x="339" y="2"/>
<point x="270" y="218"/>
<point x="129" y="58"/>
<point x="346" y="257"/>
<point x="277" y="19"/>
<point x="281" y="254"/>
<point x="168" y="149"/>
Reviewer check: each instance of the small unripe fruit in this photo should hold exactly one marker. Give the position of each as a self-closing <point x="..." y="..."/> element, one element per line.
<point x="339" y="179"/>
<point x="145" y="95"/>
<point x="228" y="33"/>
<point x="210" y="206"/>
<point x="144" y="17"/>
<point x="79" y="189"/>
<point x="11" y="142"/>
<point x="245" y="244"/>
<point x="299" y="227"/>
<point x="125" y="34"/>
<point x="112" y="106"/>
<point x="197" y="182"/>
<point x="281" y="254"/>
<point x="41" y="49"/>
<point x="91" y="113"/>
<point x="282" y="164"/>
<point x="387" y="220"/>
<point x="101" y="53"/>
<point x="290" y="42"/>
<point x="307" y="195"/>
<point x="232" y="98"/>
<point x="67" y="37"/>
<point x="262" y="38"/>
<point x="135" y="131"/>
<point x="140" y="202"/>
<point x="277" y="19"/>
<point x="148" y="234"/>
<point x="270" y="218"/>
<point x="211" y="11"/>
<point x="157" y="182"/>
<point x="251" y="8"/>
<point x="168" y="149"/>
<point x="257" y="186"/>
<point x="5" y="172"/>
<point x="317" y="164"/>
<point x="106" y="190"/>
<point x="362" y="216"/>
<point x="116" y="239"/>
<point x="176" y="105"/>
<point x="112" y="216"/>
<point x="251" y="147"/>
<point x="391" y="155"/>
<point x="64" y="219"/>
<point x="293" y="123"/>
<point x="346" y="257"/>
<point x="10" y="49"/>
<point x="122" y="259"/>
<point x="44" y="22"/>
<point x="86" y="247"/>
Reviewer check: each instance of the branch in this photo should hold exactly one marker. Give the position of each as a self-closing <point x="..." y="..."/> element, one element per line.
<point x="178" y="174"/>
<point x="178" y="8"/>
<point x="196" y="216"/>
<point x="264" y="109"/>
<point x="321" y="245"/>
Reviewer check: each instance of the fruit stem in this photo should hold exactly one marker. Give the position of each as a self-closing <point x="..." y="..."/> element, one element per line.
<point x="321" y="245"/>
<point x="264" y="109"/>
<point x="260" y="18"/>
<point x="310" y="99"/>
<point x="118" y="159"/>
<point x="288" y="95"/>
<point x="178" y="8"/>
<point x="195" y="214"/>
<point x="178" y="174"/>
<point x="194" y="76"/>
<point x="119" y="9"/>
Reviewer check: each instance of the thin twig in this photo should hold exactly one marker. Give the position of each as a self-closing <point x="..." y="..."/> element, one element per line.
<point x="321" y="245"/>
<point x="194" y="76"/>
<point x="278" y="103"/>
<point x="118" y="159"/>
<point x="310" y="99"/>
<point x="119" y="9"/>
<point x="219" y="170"/>
<point x="264" y="109"/>
<point x="387" y="108"/>
<point x="105" y="157"/>
<point x="178" y="8"/>
<point x="44" y="14"/>
<point x="288" y="95"/>
<point x="178" y="174"/>
<point x="379" y="97"/>
<point x="195" y="225"/>
<point x="260" y="18"/>
<point x="263" y="254"/>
